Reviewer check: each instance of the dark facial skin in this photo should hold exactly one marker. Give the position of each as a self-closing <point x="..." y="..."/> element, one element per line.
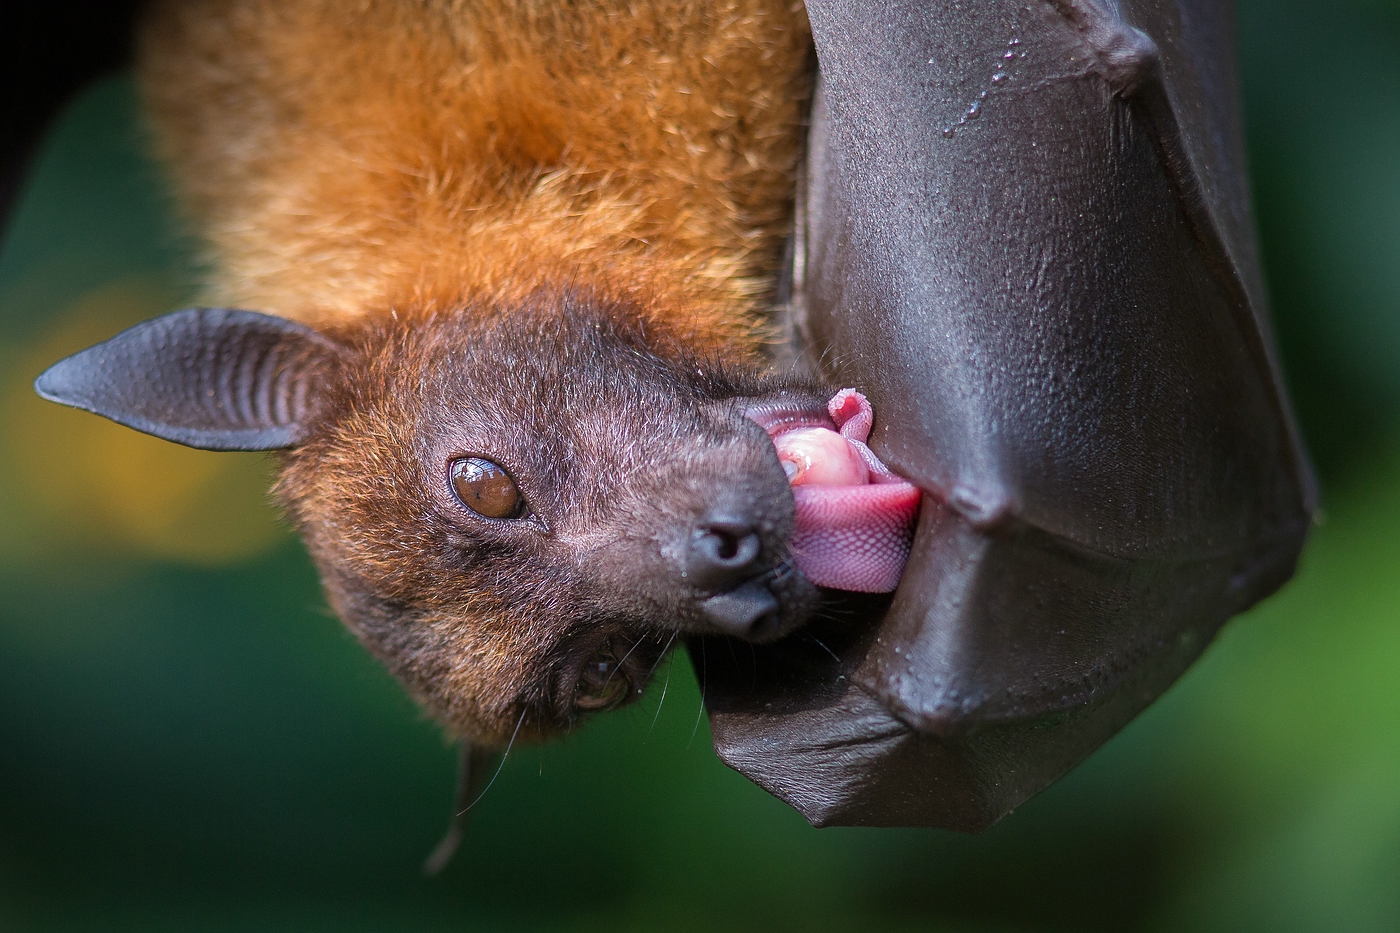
<point x="649" y="507"/>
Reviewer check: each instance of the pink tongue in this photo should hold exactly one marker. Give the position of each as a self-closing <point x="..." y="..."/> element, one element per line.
<point x="855" y="519"/>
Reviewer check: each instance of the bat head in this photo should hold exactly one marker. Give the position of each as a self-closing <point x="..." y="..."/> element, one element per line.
<point x="518" y="510"/>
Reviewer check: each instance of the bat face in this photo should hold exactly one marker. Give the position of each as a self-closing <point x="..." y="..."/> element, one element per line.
<point x="517" y="509"/>
<point x="520" y="518"/>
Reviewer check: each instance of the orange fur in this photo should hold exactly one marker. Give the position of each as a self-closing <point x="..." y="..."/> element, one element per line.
<point x="345" y="157"/>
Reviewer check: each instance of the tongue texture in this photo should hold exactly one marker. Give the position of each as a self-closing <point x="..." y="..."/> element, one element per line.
<point x="849" y="536"/>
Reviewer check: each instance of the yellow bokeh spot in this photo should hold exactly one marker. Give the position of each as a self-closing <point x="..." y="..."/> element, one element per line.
<point x="73" y="481"/>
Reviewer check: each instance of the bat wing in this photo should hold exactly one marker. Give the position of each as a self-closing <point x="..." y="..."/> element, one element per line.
<point x="50" y="51"/>
<point x="1026" y="236"/>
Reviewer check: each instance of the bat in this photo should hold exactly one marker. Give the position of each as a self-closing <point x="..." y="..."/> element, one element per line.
<point x="1022" y="232"/>
<point x="517" y="256"/>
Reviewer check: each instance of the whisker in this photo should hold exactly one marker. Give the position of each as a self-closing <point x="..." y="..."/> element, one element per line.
<point x="703" y="684"/>
<point x="504" y="755"/>
<point x="618" y="666"/>
<point x="832" y="611"/>
<point x="821" y="645"/>
<point x="662" y="656"/>
<point x="780" y="573"/>
<point x="664" y="687"/>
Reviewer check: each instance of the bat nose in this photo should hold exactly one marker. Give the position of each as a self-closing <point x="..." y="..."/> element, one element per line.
<point x="722" y="557"/>
<point x="721" y="554"/>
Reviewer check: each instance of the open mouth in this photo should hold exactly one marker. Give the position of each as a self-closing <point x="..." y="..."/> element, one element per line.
<point x="854" y="517"/>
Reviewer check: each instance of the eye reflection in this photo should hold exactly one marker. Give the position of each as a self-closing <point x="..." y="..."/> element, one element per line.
<point x="486" y="489"/>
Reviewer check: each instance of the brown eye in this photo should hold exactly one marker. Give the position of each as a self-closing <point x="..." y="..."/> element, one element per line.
<point x="602" y="685"/>
<point x="486" y="489"/>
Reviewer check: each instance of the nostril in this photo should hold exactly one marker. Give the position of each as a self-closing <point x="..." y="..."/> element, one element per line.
<point x="720" y="553"/>
<point x="730" y="542"/>
<point x="728" y="547"/>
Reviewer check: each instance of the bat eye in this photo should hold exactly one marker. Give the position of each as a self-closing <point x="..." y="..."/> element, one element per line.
<point x="486" y="489"/>
<point x="602" y="685"/>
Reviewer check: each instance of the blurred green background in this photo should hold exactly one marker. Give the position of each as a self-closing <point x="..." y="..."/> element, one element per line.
<point x="189" y="741"/>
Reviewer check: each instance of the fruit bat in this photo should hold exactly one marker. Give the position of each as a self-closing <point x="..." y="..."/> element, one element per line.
<point x="518" y="262"/>
<point x="515" y="256"/>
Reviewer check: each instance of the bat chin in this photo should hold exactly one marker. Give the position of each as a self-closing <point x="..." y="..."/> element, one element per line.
<point x="763" y="609"/>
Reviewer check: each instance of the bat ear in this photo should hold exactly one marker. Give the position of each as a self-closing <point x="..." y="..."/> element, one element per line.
<point x="206" y="377"/>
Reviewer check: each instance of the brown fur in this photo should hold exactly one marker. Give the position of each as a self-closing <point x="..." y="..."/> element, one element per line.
<point x="543" y="231"/>
<point x="353" y="156"/>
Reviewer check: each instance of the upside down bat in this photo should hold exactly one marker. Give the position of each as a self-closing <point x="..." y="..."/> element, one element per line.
<point x="517" y="254"/>
<point x="515" y="260"/>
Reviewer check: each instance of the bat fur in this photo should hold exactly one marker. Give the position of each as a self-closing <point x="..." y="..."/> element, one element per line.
<point x="541" y="232"/>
